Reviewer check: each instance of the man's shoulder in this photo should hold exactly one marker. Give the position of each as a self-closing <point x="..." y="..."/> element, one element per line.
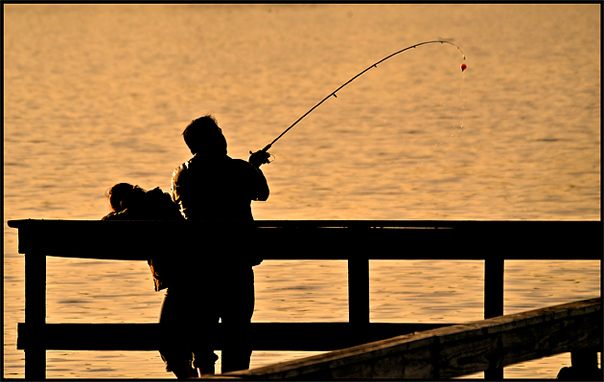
<point x="244" y="167"/>
<point x="182" y="168"/>
<point x="226" y="163"/>
<point x="240" y="162"/>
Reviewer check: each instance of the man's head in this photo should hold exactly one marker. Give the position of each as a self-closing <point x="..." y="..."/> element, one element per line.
<point x="204" y="136"/>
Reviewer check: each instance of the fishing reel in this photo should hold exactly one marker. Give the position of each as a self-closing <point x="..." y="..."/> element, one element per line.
<point x="261" y="157"/>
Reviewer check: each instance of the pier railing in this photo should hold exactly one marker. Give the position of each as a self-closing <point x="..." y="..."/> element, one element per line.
<point x="458" y="350"/>
<point x="355" y="241"/>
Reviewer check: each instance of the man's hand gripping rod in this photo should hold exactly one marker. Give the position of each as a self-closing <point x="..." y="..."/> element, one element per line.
<point x="261" y="157"/>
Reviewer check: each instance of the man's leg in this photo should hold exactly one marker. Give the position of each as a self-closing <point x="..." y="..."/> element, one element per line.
<point x="237" y="309"/>
<point x="205" y="329"/>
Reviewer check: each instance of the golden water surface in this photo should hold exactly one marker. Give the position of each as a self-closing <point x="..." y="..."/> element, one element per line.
<point x="99" y="94"/>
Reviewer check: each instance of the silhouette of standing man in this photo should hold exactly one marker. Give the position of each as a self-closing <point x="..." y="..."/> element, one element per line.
<point x="212" y="187"/>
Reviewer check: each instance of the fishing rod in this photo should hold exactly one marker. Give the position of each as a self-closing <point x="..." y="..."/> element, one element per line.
<point x="333" y="93"/>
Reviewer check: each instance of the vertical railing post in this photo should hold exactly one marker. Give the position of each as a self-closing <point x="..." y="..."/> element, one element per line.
<point x="493" y="300"/>
<point x="358" y="290"/>
<point x="585" y="364"/>
<point x="493" y="287"/>
<point x="35" y="316"/>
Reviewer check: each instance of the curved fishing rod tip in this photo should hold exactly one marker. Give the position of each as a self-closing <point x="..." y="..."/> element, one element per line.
<point x="353" y="78"/>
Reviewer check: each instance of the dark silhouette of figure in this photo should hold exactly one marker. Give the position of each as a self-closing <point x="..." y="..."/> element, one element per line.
<point x="584" y="367"/>
<point x="130" y="202"/>
<point x="212" y="188"/>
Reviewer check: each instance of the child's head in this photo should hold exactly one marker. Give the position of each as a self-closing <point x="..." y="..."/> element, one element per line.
<point x="123" y="195"/>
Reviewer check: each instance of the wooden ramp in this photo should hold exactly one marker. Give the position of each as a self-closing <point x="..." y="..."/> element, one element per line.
<point x="453" y="351"/>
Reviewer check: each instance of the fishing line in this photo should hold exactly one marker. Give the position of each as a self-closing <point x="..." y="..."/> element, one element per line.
<point x="458" y="105"/>
<point x="374" y="65"/>
<point x="449" y="116"/>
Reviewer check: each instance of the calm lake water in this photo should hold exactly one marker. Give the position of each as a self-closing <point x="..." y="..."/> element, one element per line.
<point x="99" y="94"/>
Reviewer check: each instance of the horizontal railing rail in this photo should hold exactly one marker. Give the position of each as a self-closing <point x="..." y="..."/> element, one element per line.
<point x="316" y="239"/>
<point x="267" y="336"/>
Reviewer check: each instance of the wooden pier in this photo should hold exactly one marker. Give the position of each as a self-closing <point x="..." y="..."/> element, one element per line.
<point x="456" y="350"/>
<point x="354" y="241"/>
